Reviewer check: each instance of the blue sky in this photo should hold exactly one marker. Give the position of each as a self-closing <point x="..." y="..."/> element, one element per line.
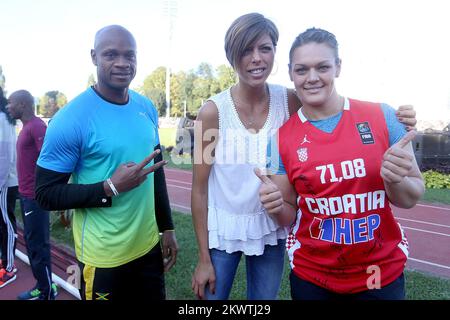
<point x="395" y="51"/>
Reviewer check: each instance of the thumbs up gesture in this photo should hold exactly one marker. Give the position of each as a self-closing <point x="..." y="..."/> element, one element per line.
<point x="398" y="160"/>
<point x="269" y="194"/>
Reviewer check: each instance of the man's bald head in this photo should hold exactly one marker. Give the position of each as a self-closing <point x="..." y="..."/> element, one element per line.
<point x="108" y="33"/>
<point x="24" y="97"/>
<point x="21" y="105"/>
<point x="114" y="55"/>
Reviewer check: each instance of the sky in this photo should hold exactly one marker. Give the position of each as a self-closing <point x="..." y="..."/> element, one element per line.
<point x="392" y="51"/>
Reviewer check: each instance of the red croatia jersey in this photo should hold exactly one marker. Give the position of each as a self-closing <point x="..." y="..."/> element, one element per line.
<point x="345" y="238"/>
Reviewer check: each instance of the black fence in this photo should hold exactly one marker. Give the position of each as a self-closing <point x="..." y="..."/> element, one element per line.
<point x="184" y="140"/>
<point x="432" y="150"/>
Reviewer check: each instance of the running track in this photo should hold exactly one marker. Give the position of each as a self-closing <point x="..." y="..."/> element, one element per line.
<point x="427" y="226"/>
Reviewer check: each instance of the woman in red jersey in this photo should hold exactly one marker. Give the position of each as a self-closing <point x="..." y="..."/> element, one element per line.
<point x="339" y="163"/>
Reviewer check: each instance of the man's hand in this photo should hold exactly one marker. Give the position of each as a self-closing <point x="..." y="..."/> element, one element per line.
<point x="407" y="115"/>
<point x="169" y="249"/>
<point x="269" y="194"/>
<point x="130" y="175"/>
<point x="397" y="162"/>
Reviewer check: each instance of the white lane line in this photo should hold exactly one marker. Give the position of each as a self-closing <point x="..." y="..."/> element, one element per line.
<point x="56" y="279"/>
<point x="430" y="223"/>
<point x="434" y="207"/>
<point x="172" y="185"/>
<point x="180" y="206"/>
<point x="421" y="230"/>
<point x="430" y="263"/>
<point x="178" y="181"/>
<point x="178" y="171"/>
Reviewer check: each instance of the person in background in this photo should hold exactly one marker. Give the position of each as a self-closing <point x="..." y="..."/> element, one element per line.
<point x="339" y="163"/>
<point x="107" y="140"/>
<point x="228" y="218"/>
<point x="8" y="194"/>
<point x="36" y="221"/>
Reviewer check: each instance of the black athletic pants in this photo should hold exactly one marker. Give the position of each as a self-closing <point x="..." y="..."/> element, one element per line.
<point x="8" y="229"/>
<point x="140" y="279"/>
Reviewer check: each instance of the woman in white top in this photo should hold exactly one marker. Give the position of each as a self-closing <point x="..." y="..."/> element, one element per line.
<point x="235" y="125"/>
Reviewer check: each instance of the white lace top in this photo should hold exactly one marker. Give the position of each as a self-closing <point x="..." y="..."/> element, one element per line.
<point x="237" y="221"/>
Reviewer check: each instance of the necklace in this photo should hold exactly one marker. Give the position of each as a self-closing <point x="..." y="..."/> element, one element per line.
<point x="247" y="118"/>
<point x="250" y="120"/>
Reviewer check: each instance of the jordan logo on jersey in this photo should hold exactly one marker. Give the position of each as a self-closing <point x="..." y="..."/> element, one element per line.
<point x="305" y="140"/>
<point x="365" y="132"/>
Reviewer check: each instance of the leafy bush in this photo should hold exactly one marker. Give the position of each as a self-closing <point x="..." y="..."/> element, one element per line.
<point x="436" y="180"/>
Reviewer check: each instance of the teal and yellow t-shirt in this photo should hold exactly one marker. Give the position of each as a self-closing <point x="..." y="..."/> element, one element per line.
<point x="90" y="138"/>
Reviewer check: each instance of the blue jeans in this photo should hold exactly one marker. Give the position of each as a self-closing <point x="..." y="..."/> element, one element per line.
<point x="36" y="224"/>
<point x="264" y="272"/>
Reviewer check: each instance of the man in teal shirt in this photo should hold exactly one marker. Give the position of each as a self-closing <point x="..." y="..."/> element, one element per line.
<point x="107" y="139"/>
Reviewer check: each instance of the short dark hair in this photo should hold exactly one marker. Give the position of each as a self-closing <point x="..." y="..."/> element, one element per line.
<point x="316" y="35"/>
<point x="244" y="31"/>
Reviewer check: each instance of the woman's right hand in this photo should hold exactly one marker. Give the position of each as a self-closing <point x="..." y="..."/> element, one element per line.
<point x="269" y="194"/>
<point x="204" y="275"/>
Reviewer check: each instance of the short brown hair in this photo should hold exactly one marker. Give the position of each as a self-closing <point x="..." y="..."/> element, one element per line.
<point x="315" y="35"/>
<point x="244" y="31"/>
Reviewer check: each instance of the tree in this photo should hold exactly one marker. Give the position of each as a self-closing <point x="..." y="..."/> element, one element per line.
<point x="158" y="97"/>
<point x="226" y="77"/>
<point x="91" y="80"/>
<point x="192" y="88"/>
<point x="202" y="84"/>
<point x="189" y="89"/>
<point x="157" y="79"/>
<point x="205" y="71"/>
<point x="61" y="100"/>
<point x="177" y="93"/>
<point x="154" y="87"/>
<point x="51" y="102"/>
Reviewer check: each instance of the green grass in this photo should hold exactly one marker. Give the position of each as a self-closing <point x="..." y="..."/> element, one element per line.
<point x="178" y="280"/>
<point x="167" y="136"/>
<point x="59" y="232"/>
<point x="419" y="286"/>
<point x="437" y="195"/>
<point x="183" y="162"/>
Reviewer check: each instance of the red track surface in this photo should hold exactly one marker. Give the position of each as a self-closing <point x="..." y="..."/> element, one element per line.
<point x="427" y="226"/>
